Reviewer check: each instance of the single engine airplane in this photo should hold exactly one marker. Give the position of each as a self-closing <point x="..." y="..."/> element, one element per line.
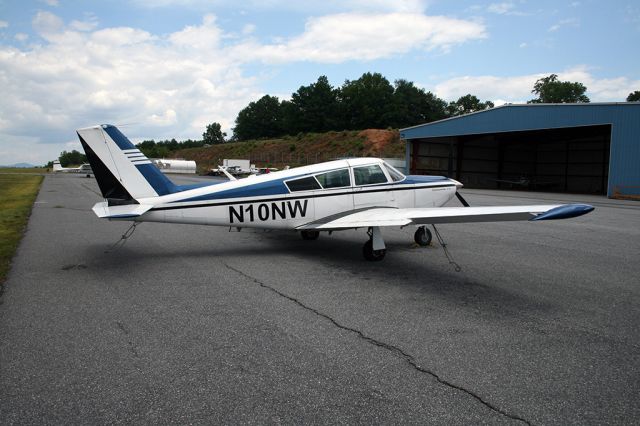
<point x="84" y="168"/>
<point x="344" y="194"/>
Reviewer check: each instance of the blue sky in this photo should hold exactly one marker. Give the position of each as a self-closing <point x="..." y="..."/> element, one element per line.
<point x="166" y="68"/>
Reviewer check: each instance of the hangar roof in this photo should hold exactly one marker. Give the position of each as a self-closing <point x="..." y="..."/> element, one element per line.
<point x="522" y="117"/>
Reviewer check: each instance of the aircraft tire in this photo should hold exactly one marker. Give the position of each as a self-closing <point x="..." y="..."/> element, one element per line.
<point x="423" y="236"/>
<point x="309" y="235"/>
<point x="372" y="255"/>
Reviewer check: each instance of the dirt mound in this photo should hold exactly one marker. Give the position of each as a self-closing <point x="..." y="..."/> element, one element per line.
<point x="377" y="140"/>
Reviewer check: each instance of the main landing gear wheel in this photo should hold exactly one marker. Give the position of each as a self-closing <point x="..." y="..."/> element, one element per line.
<point x="310" y="235"/>
<point x="423" y="236"/>
<point x="371" y="254"/>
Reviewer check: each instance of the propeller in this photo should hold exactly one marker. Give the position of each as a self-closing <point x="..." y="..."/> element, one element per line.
<point x="462" y="200"/>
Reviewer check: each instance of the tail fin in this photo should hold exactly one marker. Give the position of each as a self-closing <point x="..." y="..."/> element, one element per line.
<point x="124" y="174"/>
<point x="57" y="166"/>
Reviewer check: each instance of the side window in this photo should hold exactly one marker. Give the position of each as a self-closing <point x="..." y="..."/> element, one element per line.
<point x="396" y="176"/>
<point x="368" y="175"/>
<point x="303" y="184"/>
<point x="335" y="179"/>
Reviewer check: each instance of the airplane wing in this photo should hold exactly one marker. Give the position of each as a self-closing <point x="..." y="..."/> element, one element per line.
<point x="379" y="216"/>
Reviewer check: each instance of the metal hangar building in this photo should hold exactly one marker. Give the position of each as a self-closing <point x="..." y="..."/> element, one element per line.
<point x="591" y="148"/>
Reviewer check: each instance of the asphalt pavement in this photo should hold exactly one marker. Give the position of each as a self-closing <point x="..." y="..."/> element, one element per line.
<point x="198" y="325"/>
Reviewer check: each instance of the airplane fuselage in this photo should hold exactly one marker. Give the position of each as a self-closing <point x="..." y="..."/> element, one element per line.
<point x="272" y="201"/>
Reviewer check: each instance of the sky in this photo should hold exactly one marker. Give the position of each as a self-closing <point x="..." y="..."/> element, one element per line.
<point x="162" y="69"/>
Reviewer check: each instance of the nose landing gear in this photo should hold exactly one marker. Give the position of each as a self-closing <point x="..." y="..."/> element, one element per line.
<point x="423" y="236"/>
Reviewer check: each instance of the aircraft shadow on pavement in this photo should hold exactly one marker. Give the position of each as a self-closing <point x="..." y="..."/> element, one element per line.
<point x="400" y="269"/>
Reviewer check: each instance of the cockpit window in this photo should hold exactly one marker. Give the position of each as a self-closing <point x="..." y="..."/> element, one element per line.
<point x="303" y="184"/>
<point x="396" y="176"/>
<point x="335" y="179"/>
<point x="368" y="175"/>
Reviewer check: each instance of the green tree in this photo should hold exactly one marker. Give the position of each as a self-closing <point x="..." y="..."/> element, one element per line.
<point x="260" y="119"/>
<point x="412" y="105"/>
<point x="467" y="104"/>
<point x="365" y="102"/>
<point x="214" y="134"/>
<point x="634" y="97"/>
<point x="313" y="108"/>
<point x="551" y="91"/>
<point x="73" y="158"/>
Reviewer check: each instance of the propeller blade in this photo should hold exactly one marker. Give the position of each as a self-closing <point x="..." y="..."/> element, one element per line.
<point x="462" y="200"/>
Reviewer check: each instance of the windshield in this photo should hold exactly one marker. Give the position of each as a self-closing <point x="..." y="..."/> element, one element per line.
<point x="396" y="176"/>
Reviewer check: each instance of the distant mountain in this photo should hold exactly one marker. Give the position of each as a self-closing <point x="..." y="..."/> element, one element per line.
<point x="20" y="166"/>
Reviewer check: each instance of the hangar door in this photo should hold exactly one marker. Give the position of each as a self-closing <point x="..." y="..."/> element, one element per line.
<point x="572" y="159"/>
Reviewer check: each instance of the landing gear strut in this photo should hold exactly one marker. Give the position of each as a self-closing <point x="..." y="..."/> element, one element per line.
<point x="423" y="236"/>
<point x="309" y="235"/>
<point x="374" y="249"/>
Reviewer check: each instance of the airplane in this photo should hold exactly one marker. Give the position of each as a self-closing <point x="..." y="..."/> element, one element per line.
<point x="359" y="193"/>
<point x="84" y="168"/>
<point x="526" y="182"/>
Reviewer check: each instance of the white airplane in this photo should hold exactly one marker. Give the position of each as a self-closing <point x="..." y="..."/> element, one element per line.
<point x="84" y="168"/>
<point x="345" y="194"/>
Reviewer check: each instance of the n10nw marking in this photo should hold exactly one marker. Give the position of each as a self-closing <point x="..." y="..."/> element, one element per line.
<point x="267" y="211"/>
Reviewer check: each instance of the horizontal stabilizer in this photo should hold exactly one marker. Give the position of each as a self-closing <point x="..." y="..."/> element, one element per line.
<point x="128" y="211"/>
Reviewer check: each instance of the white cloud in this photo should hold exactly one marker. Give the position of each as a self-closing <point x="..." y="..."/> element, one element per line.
<point x="4" y="24"/>
<point x="569" y="22"/>
<point x="21" y="36"/>
<point x="501" y="8"/>
<point x="47" y="24"/>
<point x="170" y="86"/>
<point x="173" y="85"/>
<point x="88" y="24"/>
<point x="517" y="89"/>
<point x="353" y="36"/>
<point x="51" y="2"/>
<point x="505" y="8"/>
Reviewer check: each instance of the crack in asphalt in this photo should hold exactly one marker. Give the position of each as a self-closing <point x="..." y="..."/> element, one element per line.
<point x="132" y="347"/>
<point x="394" y="349"/>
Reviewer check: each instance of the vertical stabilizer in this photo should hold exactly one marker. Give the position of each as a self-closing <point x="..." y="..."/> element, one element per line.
<point x="123" y="173"/>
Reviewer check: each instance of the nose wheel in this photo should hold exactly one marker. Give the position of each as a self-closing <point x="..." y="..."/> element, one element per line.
<point x="423" y="236"/>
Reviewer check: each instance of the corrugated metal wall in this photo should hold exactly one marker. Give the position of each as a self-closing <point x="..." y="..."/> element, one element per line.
<point x="624" y="118"/>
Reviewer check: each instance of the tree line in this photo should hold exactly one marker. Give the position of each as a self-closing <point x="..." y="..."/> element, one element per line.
<point x="368" y="102"/>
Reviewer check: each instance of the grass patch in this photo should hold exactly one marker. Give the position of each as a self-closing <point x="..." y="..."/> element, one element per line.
<point x="20" y="170"/>
<point x="17" y="193"/>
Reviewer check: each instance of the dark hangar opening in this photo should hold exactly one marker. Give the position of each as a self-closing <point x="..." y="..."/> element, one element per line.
<point x="573" y="159"/>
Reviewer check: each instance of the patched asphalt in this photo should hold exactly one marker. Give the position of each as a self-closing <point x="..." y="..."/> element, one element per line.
<point x="193" y="324"/>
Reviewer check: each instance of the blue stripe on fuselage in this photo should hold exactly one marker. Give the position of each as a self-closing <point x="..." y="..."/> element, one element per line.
<point x="274" y="187"/>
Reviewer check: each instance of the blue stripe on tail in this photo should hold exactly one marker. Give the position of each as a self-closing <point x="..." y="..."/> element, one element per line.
<point x="121" y="140"/>
<point x="160" y="183"/>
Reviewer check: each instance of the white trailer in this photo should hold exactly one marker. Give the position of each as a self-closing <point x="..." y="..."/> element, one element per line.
<point x="175" y="166"/>
<point x="238" y="165"/>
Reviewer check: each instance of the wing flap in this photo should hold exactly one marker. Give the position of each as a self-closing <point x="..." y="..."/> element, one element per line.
<point x="427" y="216"/>
<point x="128" y="211"/>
